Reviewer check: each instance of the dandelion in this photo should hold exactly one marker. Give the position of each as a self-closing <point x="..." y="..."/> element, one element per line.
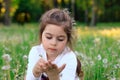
<point x="6" y="57"/>
<point x="117" y="66"/>
<point x="92" y="63"/>
<point x="25" y="57"/>
<point x="113" y="78"/>
<point x="96" y="40"/>
<point x="6" y="67"/>
<point x="99" y="57"/>
<point x="105" y="61"/>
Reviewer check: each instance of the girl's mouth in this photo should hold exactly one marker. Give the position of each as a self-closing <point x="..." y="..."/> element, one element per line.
<point x="52" y="49"/>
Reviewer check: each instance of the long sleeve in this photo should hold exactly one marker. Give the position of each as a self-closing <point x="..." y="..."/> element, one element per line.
<point x="69" y="73"/>
<point x="32" y="59"/>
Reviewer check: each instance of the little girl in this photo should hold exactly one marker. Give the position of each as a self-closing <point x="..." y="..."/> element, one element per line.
<point x="54" y="59"/>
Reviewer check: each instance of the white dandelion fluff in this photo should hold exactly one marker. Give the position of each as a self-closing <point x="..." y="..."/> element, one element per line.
<point x="6" y="57"/>
<point x="6" y="67"/>
<point x="99" y="57"/>
<point x="25" y="57"/>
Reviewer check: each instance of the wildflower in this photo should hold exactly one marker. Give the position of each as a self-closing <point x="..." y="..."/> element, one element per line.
<point x="25" y="57"/>
<point x="14" y="70"/>
<point x="117" y="66"/>
<point x="113" y="78"/>
<point x="6" y="67"/>
<point x="105" y="61"/>
<point x="99" y="57"/>
<point x="92" y="63"/>
<point x="6" y="57"/>
<point x="96" y="40"/>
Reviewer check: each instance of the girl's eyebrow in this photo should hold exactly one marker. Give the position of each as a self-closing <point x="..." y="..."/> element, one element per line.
<point x="48" y="33"/>
<point x="58" y="36"/>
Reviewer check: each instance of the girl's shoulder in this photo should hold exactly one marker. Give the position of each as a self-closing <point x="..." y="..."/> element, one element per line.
<point x="36" y="49"/>
<point x="69" y="53"/>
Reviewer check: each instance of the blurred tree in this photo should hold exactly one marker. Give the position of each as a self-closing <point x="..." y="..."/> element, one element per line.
<point x="93" y="13"/>
<point x="111" y="11"/>
<point x="23" y="13"/>
<point x="55" y="3"/>
<point x="2" y="8"/>
<point x="7" y="18"/>
<point x="92" y="10"/>
<point x="88" y="11"/>
<point x="85" y="6"/>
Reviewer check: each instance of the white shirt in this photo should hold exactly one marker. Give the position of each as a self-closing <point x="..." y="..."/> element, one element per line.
<point x="66" y="57"/>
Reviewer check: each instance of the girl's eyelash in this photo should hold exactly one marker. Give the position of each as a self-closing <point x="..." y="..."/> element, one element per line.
<point x="49" y="37"/>
<point x="60" y="39"/>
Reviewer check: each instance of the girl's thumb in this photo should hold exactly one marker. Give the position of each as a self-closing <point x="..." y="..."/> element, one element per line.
<point x="62" y="67"/>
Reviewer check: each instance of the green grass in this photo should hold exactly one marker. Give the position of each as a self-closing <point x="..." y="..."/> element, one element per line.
<point x="99" y="54"/>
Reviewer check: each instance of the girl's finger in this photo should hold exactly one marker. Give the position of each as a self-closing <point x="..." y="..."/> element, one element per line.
<point x="62" y="67"/>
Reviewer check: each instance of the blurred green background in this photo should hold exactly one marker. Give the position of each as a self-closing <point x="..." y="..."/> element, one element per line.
<point x="89" y="12"/>
<point x="97" y="33"/>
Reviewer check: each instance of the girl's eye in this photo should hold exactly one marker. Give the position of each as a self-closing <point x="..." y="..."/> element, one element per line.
<point x="49" y="37"/>
<point x="60" y="39"/>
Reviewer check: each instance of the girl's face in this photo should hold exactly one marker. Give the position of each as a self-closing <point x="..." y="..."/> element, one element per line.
<point x="54" y="39"/>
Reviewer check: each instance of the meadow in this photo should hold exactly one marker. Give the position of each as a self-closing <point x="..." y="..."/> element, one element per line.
<point x="98" y="49"/>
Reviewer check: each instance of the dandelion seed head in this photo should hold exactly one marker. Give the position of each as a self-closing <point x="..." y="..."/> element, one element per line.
<point x="97" y="41"/>
<point x="14" y="70"/>
<point x="99" y="57"/>
<point x="6" y="67"/>
<point x="105" y="61"/>
<point x="113" y="78"/>
<point x="92" y="63"/>
<point x="25" y="57"/>
<point x="6" y="57"/>
<point x="117" y="66"/>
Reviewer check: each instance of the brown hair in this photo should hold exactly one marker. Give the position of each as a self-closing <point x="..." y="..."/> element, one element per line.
<point x="57" y="17"/>
<point x="61" y="18"/>
<point x="79" y="70"/>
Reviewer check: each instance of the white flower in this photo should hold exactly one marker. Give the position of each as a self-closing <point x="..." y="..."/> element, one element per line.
<point x="99" y="57"/>
<point x="6" y="57"/>
<point x="117" y="66"/>
<point x="96" y="40"/>
<point x="105" y="61"/>
<point x="92" y="63"/>
<point x="25" y="57"/>
<point x="113" y="78"/>
<point x="6" y="67"/>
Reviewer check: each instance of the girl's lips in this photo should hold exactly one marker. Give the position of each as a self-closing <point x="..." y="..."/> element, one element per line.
<point x="52" y="49"/>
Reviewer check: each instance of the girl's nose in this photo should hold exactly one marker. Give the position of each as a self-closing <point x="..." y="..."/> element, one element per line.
<point x="54" y="42"/>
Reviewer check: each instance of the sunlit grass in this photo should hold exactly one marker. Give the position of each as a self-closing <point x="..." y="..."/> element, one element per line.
<point x="98" y="49"/>
<point x="106" y="32"/>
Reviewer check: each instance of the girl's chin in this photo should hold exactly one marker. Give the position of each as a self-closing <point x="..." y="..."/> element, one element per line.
<point x="52" y="52"/>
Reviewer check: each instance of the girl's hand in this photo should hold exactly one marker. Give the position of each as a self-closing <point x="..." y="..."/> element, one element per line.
<point x="39" y="67"/>
<point x="53" y="71"/>
<point x="49" y="68"/>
